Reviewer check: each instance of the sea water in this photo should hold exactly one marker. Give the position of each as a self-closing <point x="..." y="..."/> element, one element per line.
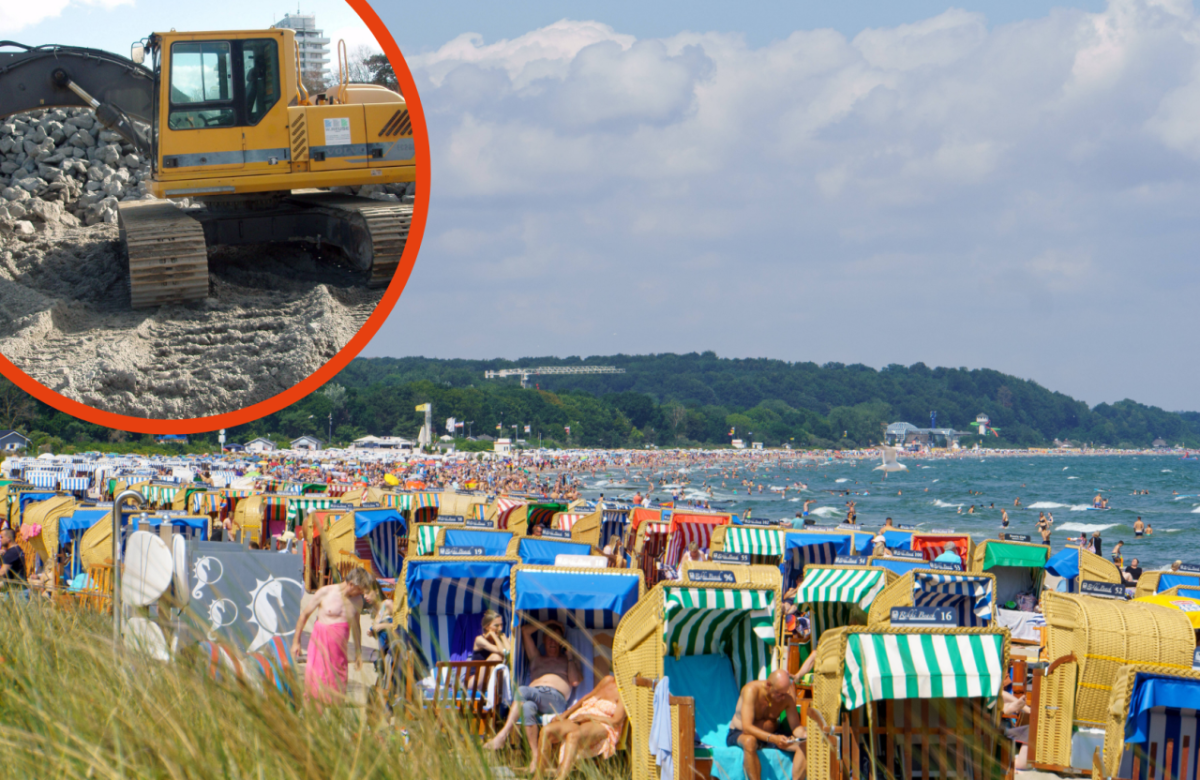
<point x="935" y="494"/>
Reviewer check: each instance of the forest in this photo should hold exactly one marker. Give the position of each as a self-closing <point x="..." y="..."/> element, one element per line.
<point x="665" y="400"/>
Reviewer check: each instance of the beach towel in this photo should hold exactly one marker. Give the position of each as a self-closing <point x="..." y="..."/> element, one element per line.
<point x="327" y="665"/>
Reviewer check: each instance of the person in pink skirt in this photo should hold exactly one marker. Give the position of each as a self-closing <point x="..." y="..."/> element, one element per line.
<point x="338" y="608"/>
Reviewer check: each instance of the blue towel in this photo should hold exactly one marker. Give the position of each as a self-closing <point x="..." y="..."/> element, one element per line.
<point x="660" y="730"/>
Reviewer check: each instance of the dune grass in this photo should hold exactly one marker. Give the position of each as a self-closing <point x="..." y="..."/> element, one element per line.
<point x="70" y="707"/>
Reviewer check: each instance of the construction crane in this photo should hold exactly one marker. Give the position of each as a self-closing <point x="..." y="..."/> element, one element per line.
<point x="525" y="373"/>
<point x="232" y="126"/>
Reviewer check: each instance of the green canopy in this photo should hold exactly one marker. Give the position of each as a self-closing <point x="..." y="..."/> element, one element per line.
<point x="736" y="623"/>
<point x="921" y="666"/>
<point x="1028" y="556"/>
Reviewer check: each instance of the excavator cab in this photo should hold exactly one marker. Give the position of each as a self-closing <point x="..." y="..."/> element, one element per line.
<point x="233" y="128"/>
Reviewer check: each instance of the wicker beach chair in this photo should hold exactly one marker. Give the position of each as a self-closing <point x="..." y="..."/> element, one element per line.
<point x="710" y="633"/>
<point x="1087" y="640"/>
<point x="1154" y="582"/>
<point x="971" y="596"/>
<point x="493" y="542"/>
<point x="1152" y="731"/>
<point x="908" y="703"/>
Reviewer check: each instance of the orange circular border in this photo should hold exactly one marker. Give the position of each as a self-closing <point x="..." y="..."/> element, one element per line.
<point x="416" y="232"/>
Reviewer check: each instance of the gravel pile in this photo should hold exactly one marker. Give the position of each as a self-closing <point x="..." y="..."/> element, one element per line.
<point x="274" y="314"/>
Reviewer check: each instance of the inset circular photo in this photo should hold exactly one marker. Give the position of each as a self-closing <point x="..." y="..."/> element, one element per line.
<point x="206" y="222"/>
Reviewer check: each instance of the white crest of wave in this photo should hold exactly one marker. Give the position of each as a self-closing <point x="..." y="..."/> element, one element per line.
<point x="1167" y="471"/>
<point x="1196" y="511"/>
<point x="1047" y="505"/>
<point x="1086" y="527"/>
<point x="1081" y="507"/>
<point x="941" y="503"/>
<point x="826" y="511"/>
<point x="1072" y="477"/>
<point x="842" y="479"/>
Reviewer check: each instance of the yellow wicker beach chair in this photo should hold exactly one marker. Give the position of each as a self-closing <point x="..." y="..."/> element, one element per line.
<point x="971" y="596"/>
<point x="1153" y="582"/>
<point x="1087" y="640"/>
<point x="46" y="514"/>
<point x="908" y="703"/>
<point x="713" y="631"/>
<point x="1160" y="739"/>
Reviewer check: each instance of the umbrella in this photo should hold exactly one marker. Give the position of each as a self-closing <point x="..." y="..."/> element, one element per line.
<point x="391" y="479"/>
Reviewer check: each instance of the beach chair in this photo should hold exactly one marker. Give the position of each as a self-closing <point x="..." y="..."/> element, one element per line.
<point x="911" y="703"/>
<point x="1154" y="582"/>
<point x="440" y="606"/>
<point x="803" y="548"/>
<point x="1152" y="731"/>
<point x="1088" y="640"/>
<point x="970" y="596"/>
<point x="543" y="552"/>
<point x="840" y="595"/>
<point x="709" y="634"/>
<point x="931" y="545"/>
<point x="492" y="543"/>
<point x="1019" y="569"/>
<point x="461" y="689"/>
<point x="765" y="546"/>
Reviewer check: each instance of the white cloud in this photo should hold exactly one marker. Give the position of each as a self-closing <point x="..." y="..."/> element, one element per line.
<point x="710" y="194"/>
<point x="19" y="15"/>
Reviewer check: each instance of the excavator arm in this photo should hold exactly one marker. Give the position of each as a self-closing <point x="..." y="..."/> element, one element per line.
<point x="120" y="90"/>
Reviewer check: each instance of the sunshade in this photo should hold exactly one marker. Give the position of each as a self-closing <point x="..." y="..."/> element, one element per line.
<point x="1151" y="691"/>
<point x="900" y="565"/>
<point x="969" y="595"/>
<point x="897" y="540"/>
<point x="736" y="623"/>
<point x="366" y="520"/>
<point x="427" y="538"/>
<point x="1064" y="563"/>
<point x="454" y="587"/>
<point x="921" y="666"/>
<point x="540" y="552"/>
<point x="81" y="520"/>
<point x="858" y="586"/>
<point x="492" y="542"/>
<point x="838" y="597"/>
<point x="1188" y="606"/>
<point x="576" y="592"/>
<point x="1021" y="555"/>
<point x="1168" y="581"/>
<point x="755" y="541"/>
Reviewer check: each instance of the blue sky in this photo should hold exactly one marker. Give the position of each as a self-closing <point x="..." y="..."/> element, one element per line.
<point x="1009" y="185"/>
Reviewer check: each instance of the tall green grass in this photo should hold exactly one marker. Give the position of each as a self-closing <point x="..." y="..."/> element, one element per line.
<point x="70" y="707"/>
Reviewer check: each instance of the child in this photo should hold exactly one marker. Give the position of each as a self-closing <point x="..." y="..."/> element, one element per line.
<point x="338" y="607"/>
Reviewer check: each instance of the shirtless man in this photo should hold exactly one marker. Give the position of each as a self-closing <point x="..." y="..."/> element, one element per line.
<point x="755" y="724"/>
<point x="1139" y="527"/>
<point x="552" y="677"/>
<point x="338" y="607"/>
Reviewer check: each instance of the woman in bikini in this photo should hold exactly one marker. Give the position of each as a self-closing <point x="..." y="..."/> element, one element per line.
<point x="588" y="729"/>
<point x="492" y="644"/>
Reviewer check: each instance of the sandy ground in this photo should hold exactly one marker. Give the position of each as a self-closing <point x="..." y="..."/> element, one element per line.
<point x="274" y="315"/>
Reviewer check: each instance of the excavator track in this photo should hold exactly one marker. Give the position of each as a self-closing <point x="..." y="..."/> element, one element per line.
<point x="168" y="258"/>
<point x="373" y="232"/>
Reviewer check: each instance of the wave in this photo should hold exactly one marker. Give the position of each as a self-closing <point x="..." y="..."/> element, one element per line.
<point x="1047" y="505"/>
<point x="826" y="511"/>
<point x="944" y="505"/>
<point x="1196" y="511"/>
<point x="1167" y="471"/>
<point x="927" y="467"/>
<point x="936" y="480"/>
<point x="1072" y="477"/>
<point x="1083" y="508"/>
<point x="1085" y="527"/>
<point x="842" y="479"/>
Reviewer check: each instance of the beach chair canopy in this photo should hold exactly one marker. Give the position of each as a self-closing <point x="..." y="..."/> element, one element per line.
<point x="1155" y="694"/>
<point x="1064" y="563"/>
<point x="492" y="542"/>
<point x="542" y="552"/>
<point x="933" y="545"/>
<point x="381" y="528"/>
<point x="764" y="545"/>
<point x="900" y="566"/>
<point x="447" y="599"/>
<point x="1167" y="580"/>
<point x="504" y="508"/>
<point x="1002" y="554"/>
<point x="739" y="624"/>
<point x="613" y="522"/>
<point x="641" y="514"/>
<point x="969" y="595"/>
<point x="838" y="596"/>
<point x="687" y="528"/>
<point x="898" y="540"/>
<point x="809" y="547"/>
<point x="543" y="514"/>
<point x="921" y="666"/>
<point x="584" y="602"/>
<point x="1190" y="607"/>
<point x="197" y="524"/>
<point x="28" y="498"/>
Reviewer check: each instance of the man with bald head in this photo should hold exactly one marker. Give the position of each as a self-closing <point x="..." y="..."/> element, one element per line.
<point x="757" y="725"/>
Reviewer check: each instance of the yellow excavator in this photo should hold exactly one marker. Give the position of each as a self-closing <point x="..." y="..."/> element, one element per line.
<point x="231" y="126"/>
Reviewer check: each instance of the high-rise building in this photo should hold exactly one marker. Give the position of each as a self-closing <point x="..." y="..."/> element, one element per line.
<point x="312" y="45"/>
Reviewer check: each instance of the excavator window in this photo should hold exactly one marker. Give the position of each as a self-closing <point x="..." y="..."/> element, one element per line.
<point x="201" y="85"/>
<point x="222" y="83"/>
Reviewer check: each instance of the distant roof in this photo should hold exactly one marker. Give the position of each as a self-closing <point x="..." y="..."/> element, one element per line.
<point x="902" y="427"/>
